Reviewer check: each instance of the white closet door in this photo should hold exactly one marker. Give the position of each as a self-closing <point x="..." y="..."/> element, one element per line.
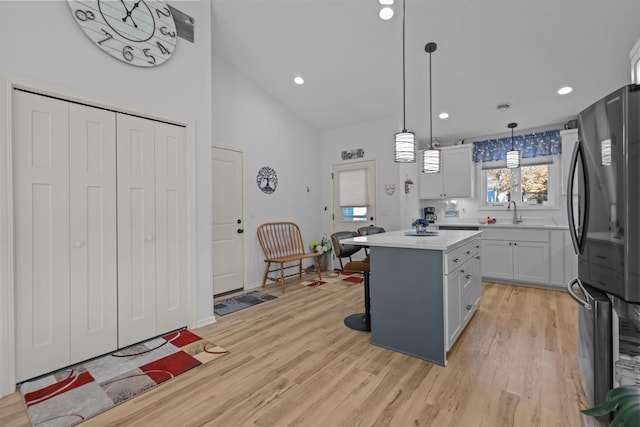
<point x="94" y="281"/>
<point x="41" y="174"/>
<point x="171" y="227"/>
<point x="136" y="230"/>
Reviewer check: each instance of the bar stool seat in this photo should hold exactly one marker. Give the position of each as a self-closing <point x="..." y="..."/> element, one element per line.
<point x="360" y="321"/>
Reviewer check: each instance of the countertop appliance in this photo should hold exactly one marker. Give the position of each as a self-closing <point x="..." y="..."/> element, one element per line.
<point x="603" y="217"/>
<point x="595" y="351"/>
<point x="430" y="214"/>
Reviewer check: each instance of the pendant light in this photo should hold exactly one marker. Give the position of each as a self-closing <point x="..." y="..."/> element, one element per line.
<point x="405" y="141"/>
<point x="431" y="157"/>
<point x="513" y="156"/>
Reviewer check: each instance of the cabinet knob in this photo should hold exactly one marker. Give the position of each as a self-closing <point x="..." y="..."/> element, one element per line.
<point x="456" y="260"/>
<point x="461" y="271"/>
<point x="509" y="243"/>
<point x="79" y="244"/>
<point x="468" y="252"/>
<point x="469" y="307"/>
<point x="468" y="276"/>
<point x="149" y="238"/>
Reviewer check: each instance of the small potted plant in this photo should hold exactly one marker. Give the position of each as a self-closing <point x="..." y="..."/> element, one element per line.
<point x="421" y="225"/>
<point x="322" y="247"/>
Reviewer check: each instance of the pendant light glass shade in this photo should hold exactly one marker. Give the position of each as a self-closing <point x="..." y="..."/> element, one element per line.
<point x="431" y="161"/>
<point x="513" y="156"/>
<point x="513" y="159"/>
<point x="405" y="147"/>
<point x="404" y="142"/>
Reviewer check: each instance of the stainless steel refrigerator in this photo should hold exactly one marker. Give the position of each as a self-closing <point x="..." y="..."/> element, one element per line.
<point x="604" y="221"/>
<point x="603" y="208"/>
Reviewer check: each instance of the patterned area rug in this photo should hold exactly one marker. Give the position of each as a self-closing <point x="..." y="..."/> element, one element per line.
<point x="74" y="394"/>
<point x="334" y="281"/>
<point x="239" y="302"/>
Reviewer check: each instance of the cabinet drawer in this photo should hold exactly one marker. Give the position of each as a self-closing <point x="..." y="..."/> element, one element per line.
<point x="518" y="235"/>
<point x="459" y="256"/>
<point x="606" y="255"/>
<point x="466" y="275"/>
<point x="468" y="306"/>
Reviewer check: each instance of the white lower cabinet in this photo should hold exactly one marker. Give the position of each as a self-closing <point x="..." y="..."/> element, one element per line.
<point x="100" y="231"/>
<point x="463" y="288"/>
<point x="526" y="256"/>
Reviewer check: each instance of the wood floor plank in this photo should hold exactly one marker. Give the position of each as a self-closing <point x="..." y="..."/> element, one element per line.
<point x="292" y="362"/>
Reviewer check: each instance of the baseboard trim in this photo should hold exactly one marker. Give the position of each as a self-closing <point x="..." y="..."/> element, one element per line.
<point x="206" y="321"/>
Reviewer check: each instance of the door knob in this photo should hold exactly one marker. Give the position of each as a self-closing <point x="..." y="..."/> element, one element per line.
<point x="240" y="231"/>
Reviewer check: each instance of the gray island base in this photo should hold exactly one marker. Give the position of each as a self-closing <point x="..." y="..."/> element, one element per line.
<point x="424" y="290"/>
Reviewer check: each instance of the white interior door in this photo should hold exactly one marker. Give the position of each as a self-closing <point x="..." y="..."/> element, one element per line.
<point x="171" y="227"/>
<point x="354" y="179"/>
<point x="41" y="206"/>
<point x="136" y="230"/>
<point x="228" y="227"/>
<point x="94" y="278"/>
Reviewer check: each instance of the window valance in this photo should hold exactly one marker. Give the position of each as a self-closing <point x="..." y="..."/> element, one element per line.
<point x="531" y="145"/>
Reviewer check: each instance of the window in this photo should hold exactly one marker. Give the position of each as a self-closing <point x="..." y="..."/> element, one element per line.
<point x="354" y="214"/>
<point x="530" y="184"/>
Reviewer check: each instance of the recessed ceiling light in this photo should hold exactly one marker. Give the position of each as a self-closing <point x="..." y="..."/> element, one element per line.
<point x="386" y="2"/>
<point x="298" y="80"/>
<point x="444" y="115"/>
<point x="386" y="13"/>
<point x="565" y="90"/>
<point x="503" y="107"/>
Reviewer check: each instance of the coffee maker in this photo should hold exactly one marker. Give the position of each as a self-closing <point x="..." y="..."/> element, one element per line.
<point x="430" y="214"/>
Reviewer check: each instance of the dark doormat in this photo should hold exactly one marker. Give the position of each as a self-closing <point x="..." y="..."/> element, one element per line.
<point x="233" y="304"/>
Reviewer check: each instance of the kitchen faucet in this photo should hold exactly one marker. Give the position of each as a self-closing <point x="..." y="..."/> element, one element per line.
<point x="515" y="212"/>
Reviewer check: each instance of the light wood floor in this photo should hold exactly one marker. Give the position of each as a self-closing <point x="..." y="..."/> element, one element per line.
<point x="294" y="363"/>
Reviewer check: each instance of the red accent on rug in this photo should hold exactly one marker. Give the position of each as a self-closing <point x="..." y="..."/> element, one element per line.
<point x="71" y="382"/>
<point x="168" y="367"/>
<point x="182" y="338"/>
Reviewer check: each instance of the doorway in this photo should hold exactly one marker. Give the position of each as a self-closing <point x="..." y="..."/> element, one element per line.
<point x="354" y="196"/>
<point x="228" y="220"/>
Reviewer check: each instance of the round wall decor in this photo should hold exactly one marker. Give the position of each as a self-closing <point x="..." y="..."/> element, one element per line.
<point x="267" y="179"/>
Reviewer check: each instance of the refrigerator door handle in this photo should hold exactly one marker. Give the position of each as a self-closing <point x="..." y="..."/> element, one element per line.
<point x="582" y="302"/>
<point x="578" y="241"/>
<point x="572" y="171"/>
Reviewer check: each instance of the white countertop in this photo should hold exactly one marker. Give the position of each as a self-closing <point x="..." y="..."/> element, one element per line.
<point x="445" y="240"/>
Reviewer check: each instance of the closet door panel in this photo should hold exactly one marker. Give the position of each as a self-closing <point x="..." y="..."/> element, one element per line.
<point x="41" y="208"/>
<point x="94" y="281"/>
<point x="171" y="227"/>
<point x="136" y="230"/>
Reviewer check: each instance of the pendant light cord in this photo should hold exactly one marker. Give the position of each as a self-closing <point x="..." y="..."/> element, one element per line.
<point x="430" y="107"/>
<point x="404" y="102"/>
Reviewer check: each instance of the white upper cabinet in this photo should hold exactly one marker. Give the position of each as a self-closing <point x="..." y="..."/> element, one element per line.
<point x="456" y="177"/>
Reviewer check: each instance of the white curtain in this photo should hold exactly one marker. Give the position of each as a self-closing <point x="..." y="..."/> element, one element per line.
<point x="353" y="188"/>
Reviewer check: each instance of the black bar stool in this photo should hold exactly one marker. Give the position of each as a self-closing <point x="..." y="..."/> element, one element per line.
<point x="358" y="321"/>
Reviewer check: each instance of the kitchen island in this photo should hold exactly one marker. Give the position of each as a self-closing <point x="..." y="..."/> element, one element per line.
<point x="424" y="289"/>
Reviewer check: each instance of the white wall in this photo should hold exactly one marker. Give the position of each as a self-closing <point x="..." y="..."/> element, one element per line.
<point x="246" y="117"/>
<point x="41" y="41"/>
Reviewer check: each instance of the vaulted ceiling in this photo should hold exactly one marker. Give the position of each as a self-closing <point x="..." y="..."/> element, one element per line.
<point x="489" y="52"/>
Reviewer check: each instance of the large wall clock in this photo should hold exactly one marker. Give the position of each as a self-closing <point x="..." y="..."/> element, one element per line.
<point x="137" y="32"/>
